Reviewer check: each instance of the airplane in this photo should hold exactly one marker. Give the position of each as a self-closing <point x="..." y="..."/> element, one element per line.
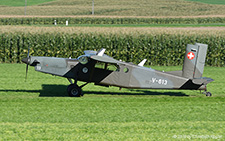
<point x="98" y="68"/>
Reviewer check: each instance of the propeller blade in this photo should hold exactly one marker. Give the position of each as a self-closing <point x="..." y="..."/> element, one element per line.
<point x="27" y="60"/>
<point x="28" y="53"/>
<point x="26" y="71"/>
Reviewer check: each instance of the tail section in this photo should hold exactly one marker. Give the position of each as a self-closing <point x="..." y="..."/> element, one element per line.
<point x="194" y="60"/>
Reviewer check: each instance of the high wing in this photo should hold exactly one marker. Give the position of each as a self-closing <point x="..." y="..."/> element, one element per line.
<point x="105" y="59"/>
<point x="90" y="52"/>
<point x="99" y="56"/>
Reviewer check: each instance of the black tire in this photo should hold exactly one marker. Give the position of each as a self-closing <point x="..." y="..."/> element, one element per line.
<point x="208" y="94"/>
<point x="74" y="91"/>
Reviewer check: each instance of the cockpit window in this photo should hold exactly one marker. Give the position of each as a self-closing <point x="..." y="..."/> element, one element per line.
<point x="100" y="65"/>
<point x="107" y="66"/>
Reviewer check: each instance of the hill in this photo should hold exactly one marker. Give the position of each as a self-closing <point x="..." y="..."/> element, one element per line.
<point x="115" y="8"/>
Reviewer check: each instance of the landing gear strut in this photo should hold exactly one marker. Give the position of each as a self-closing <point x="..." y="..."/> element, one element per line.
<point x="207" y="93"/>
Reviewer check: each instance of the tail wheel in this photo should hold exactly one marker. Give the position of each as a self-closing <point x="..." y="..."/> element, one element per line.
<point x="208" y="94"/>
<point x="74" y="90"/>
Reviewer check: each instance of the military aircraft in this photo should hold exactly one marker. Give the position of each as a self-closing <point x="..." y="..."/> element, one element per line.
<point x="100" y="69"/>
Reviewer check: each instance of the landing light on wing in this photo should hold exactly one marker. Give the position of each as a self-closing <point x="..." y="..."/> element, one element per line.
<point x="142" y="63"/>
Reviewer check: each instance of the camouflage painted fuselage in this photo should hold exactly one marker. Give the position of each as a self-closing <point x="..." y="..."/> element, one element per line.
<point x="127" y="75"/>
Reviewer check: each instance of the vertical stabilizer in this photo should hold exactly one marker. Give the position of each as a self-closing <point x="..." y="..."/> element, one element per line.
<point x="194" y="60"/>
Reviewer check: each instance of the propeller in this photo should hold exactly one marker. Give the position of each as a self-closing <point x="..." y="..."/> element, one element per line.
<point x="27" y="61"/>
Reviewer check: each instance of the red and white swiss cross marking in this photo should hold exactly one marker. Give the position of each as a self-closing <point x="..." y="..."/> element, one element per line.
<point x="190" y="55"/>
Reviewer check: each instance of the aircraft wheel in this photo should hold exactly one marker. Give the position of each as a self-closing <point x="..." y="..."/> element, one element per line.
<point x="208" y="94"/>
<point x="74" y="91"/>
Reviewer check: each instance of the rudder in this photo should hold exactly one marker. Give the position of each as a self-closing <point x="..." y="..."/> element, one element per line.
<point x="194" y="60"/>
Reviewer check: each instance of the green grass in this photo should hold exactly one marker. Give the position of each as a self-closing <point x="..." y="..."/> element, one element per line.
<point x="39" y="109"/>
<point x="210" y="1"/>
<point x="22" y="2"/>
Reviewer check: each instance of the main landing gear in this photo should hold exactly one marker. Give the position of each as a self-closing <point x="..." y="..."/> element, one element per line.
<point x="74" y="90"/>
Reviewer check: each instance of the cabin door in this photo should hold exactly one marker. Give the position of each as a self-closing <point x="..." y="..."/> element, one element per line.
<point x="124" y="75"/>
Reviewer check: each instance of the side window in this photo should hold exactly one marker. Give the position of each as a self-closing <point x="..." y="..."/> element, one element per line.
<point x="125" y="70"/>
<point x="113" y="67"/>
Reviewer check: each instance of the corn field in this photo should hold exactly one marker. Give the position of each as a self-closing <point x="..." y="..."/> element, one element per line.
<point x="107" y="20"/>
<point x="159" y="49"/>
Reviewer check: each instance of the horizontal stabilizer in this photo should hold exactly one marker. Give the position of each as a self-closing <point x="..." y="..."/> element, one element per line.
<point x="142" y="63"/>
<point x="203" y="80"/>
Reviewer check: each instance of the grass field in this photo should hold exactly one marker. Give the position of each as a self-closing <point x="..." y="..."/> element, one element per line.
<point x="82" y="2"/>
<point x="39" y="109"/>
<point x="22" y="2"/>
<point x="210" y="1"/>
<point x="113" y="8"/>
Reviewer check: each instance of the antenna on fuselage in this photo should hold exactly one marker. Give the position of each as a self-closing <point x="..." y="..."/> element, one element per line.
<point x="101" y="52"/>
<point x="142" y="63"/>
